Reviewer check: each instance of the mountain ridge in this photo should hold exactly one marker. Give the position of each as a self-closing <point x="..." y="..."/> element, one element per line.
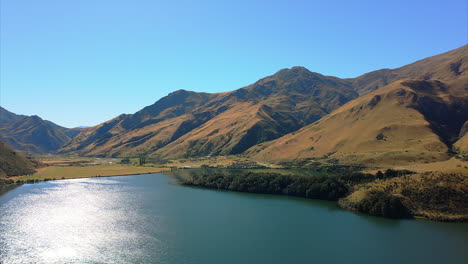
<point x="186" y="123"/>
<point x="32" y="133"/>
<point x="407" y="121"/>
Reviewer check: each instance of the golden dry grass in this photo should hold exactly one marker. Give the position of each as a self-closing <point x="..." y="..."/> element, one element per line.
<point x="350" y="133"/>
<point x="71" y="172"/>
<point x="452" y="165"/>
<point x="420" y="182"/>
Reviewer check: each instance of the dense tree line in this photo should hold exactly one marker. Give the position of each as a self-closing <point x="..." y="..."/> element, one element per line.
<point x="318" y="187"/>
<point x="384" y="204"/>
<point x="322" y="187"/>
<point x="314" y="187"/>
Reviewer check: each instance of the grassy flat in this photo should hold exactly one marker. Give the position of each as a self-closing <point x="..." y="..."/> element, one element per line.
<point x="71" y="172"/>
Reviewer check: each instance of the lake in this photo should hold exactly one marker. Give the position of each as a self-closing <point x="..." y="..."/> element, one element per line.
<point x="144" y="219"/>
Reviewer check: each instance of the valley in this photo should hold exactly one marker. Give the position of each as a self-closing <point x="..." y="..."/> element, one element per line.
<point x="411" y="118"/>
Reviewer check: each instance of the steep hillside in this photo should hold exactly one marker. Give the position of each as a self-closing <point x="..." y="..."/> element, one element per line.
<point x="150" y="128"/>
<point x="185" y="124"/>
<point x="7" y="116"/>
<point x="32" y="134"/>
<point x="408" y="121"/>
<point x="444" y="67"/>
<point x="265" y="110"/>
<point x="12" y="163"/>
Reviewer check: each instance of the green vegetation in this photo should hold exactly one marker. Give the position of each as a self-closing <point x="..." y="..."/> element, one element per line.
<point x="391" y="173"/>
<point x="382" y="201"/>
<point x="314" y="187"/>
<point x="320" y="165"/>
<point x="327" y="188"/>
<point x="383" y="204"/>
<point x="125" y="161"/>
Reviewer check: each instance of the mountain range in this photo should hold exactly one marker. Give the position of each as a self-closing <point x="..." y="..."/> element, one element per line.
<point x="415" y="113"/>
<point x="32" y="133"/>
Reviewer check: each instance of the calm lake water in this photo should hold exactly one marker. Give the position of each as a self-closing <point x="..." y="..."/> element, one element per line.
<point x="143" y="219"/>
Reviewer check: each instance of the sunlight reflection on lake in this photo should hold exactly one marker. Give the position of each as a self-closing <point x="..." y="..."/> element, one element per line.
<point x="143" y="219"/>
<point x="69" y="221"/>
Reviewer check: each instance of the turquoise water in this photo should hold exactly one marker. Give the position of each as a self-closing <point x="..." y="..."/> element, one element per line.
<point x="143" y="219"/>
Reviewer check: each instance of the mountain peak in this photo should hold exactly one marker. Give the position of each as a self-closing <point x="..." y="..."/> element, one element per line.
<point x="294" y="70"/>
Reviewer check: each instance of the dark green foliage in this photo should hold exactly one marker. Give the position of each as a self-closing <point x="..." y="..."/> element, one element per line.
<point x="329" y="168"/>
<point x="6" y="181"/>
<point x="380" y="136"/>
<point x="141" y="159"/>
<point x="384" y="204"/>
<point x="320" y="187"/>
<point x="391" y="173"/>
<point x="379" y="175"/>
<point x="125" y="161"/>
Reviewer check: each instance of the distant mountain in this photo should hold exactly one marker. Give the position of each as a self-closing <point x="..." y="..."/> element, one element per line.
<point x="409" y="121"/>
<point x="187" y="124"/>
<point x="7" y="116"/>
<point x="193" y="124"/>
<point x="32" y="133"/>
<point x="12" y="163"/>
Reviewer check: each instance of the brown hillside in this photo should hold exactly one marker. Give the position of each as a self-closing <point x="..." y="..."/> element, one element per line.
<point x="406" y="122"/>
<point x="265" y="110"/>
<point x="444" y="67"/>
<point x="32" y="133"/>
<point x="185" y="124"/>
<point x="150" y="128"/>
<point x="12" y="163"/>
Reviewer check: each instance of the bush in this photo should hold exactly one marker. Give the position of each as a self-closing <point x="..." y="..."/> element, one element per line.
<point x="321" y="187"/>
<point x="383" y="204"/>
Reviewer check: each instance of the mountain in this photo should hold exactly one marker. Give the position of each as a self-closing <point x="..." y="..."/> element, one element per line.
<point x="7" y="116"/>
<point x="12" y="163"/>
<point x="272" y="107"/>
<point x="189" y="123"/>
<point x="409" y="121"/>
<point x="32" y="133"/>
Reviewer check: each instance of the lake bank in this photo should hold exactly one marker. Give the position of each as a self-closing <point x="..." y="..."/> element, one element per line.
<point x="436" y="197"/>
<point x="143" y="219"/>
<point x="75" y="172"/>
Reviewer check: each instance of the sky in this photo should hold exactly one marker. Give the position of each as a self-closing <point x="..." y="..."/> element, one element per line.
<point x="80" y="63"/>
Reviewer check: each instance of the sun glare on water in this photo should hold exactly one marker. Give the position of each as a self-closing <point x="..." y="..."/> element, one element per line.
<point x="71" y="223"/>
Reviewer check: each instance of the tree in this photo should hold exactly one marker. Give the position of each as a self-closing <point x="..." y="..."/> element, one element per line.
<point x="141" y="159"/>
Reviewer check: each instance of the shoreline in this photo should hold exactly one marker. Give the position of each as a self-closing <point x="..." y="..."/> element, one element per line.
<point x="30" y="178"/>
<point x="344" y="203"/>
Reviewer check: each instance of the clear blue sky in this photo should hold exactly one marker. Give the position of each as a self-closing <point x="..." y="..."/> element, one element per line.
<point x="84" y="62"/>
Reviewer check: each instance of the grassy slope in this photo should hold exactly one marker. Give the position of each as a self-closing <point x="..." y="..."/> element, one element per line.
<point x="33" y="134"/>
<point x="351" y="133"/>
<point x="436" y="196"/>
<point x="12" y="163"/>
<point x="418" y="121"/>
<point x="259" y="112"/>
<point x="272" y="107"/>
